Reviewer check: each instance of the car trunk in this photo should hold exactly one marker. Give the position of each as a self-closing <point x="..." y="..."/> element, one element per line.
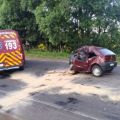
<point x="110" y="58"/>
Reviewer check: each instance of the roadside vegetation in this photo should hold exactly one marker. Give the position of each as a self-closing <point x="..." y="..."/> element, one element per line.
<point x="36" y="53"/>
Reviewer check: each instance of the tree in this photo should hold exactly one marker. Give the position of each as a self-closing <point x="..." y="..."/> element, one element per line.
<point x="64" y="24"/>
<point x="15" y="15"/>
<point x="79" y="22"/>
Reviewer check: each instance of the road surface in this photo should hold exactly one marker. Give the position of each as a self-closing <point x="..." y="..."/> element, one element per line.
<point x="46" y="91"/>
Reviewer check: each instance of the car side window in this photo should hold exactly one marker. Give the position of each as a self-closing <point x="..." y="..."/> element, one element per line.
<point x="91" y="55"/>
<point x="82" y="56"/>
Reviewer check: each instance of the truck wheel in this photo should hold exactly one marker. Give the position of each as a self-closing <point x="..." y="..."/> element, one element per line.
<point x="21" y="68"/>
<point x="97" y="71"/>
<point x="71" y="70"/>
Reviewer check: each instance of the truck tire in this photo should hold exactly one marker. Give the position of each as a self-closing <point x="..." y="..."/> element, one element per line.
<point x="97" y="71"/>
<point x="21" y="68"/>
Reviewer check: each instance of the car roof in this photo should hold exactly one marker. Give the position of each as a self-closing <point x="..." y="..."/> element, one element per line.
<point x="94" y="49"/>
<point x="89" y="48"/>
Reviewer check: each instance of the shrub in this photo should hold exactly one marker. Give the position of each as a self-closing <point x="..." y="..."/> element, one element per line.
<point x="42" y="47"/>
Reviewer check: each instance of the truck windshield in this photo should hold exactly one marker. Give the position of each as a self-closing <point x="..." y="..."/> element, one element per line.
<point x="106" y="52"/>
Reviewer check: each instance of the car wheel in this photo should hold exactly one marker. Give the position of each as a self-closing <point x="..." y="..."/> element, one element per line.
<point x="97" y="71"/>
<point x="71" y="70"/>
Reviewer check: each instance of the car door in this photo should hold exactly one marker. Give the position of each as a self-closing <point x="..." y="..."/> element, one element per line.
<point x="81" y="64"/>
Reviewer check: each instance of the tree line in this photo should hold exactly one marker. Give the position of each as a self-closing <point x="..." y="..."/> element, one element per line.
<point x="64" y="25"/>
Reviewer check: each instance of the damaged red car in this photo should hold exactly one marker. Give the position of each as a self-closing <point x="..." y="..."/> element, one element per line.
<point x="93" y="59"/>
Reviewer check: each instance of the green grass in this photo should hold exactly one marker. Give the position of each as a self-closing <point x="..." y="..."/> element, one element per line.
<point x="36" y="53"/>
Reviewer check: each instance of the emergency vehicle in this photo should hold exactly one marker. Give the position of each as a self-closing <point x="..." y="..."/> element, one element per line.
<point x="11" y="51"/>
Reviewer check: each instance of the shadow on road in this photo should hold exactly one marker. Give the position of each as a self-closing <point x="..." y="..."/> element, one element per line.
<point x="40" y="67"/>
<point x="36" y="67"/>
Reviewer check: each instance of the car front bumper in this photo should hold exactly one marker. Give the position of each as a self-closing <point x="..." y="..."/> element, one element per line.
<point x="108" y="65"/>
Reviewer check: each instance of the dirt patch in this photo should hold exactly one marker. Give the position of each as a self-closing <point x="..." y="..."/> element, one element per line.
<point x="52" y="80"/>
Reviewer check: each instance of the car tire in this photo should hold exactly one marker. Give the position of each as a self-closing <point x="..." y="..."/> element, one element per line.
<point x="97" y="71"/>
<point x="71" y="70"/>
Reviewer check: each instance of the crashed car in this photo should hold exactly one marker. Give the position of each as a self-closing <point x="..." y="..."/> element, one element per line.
<point x="92" y="59"/>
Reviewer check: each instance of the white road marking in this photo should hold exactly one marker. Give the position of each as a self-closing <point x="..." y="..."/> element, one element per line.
<point x="60" y="108"/>
<point x="47" y="104"/>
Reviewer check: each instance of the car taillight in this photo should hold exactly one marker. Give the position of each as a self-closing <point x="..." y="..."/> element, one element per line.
<point x="110" y="58"/>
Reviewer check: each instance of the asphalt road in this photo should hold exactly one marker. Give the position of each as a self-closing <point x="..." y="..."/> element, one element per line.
<point x="46" y="91"/>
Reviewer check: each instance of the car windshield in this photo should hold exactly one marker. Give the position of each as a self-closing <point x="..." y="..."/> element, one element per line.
<point x="106" y="52"/>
